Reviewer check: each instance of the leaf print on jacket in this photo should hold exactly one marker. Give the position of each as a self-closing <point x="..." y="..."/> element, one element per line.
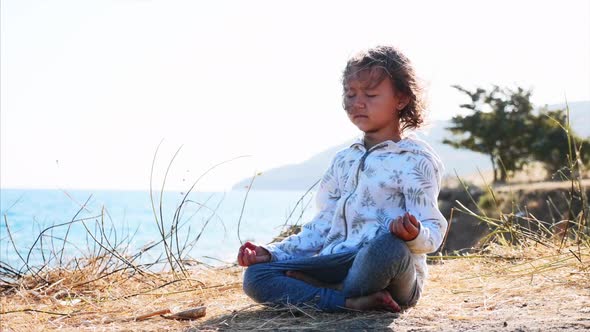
<point x="332" y="238"/>
<point x="370" y="172"/>
<point x="357" y="223"/>
<point x="340" y="162"/>
<point x="368" y="200"/>
<point x="396" y="176"/>
<point x="334" y="194"/>
<point x="398" y="199"/>
<point x="384" y="156"/>
<point x="383" y="218"/>
<point x="423" y="174"/>
<point x="300" y="250"/>
<point x="328" y="176"/>
<point x="415" y="196"/>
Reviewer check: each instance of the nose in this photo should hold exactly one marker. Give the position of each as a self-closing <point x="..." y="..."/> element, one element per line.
<point x="360" y="103"/>
<point x="356" y="102"/>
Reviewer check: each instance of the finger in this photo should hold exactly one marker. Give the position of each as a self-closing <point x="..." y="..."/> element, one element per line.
<point x="400" y="230"/>
<point x="249" y="256"/>
<point x="408" y="227"/>
<point x="396" y="225"/>
<point x="409" y="230"/>
<point x="392" y="226"/>
<point x="414" y="221"/>
<point x="244" y="258"/>
<point x="252" y="256"/>
<point x="241" y="258"/>
<point x="403" y="222"/>
<point x="250" y="245"/>
<point x="412" y="231"/>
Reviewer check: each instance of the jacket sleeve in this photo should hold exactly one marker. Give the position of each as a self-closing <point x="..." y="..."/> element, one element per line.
<point x="311" y="239"/>
<point x="421" y="189"/>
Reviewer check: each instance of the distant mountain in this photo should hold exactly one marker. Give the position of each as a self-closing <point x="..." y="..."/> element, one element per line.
<point x="295" y="176"/>
<point x="303" y="175"/>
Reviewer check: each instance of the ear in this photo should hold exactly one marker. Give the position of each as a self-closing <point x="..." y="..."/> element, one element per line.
<point x="404" y="100"/>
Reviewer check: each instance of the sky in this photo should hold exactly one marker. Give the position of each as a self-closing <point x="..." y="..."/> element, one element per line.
<point x="90" y="89"/>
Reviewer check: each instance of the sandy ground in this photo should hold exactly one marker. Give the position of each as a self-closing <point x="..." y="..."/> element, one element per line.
<point x="517" y="292"/>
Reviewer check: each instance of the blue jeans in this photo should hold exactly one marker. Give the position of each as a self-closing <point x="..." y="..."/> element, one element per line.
<point x="384" y="264"/>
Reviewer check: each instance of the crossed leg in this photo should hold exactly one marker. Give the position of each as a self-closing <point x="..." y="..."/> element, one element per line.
<point x="382" y="276"/>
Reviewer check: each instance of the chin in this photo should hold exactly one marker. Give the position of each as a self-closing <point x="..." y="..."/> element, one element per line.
<point x="364" y="129"/>
<point x="367" y="130"/>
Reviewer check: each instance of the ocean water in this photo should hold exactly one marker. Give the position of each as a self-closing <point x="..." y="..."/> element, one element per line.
<point x="126" y="220"/>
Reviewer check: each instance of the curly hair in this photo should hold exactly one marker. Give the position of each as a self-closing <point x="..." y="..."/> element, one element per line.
<point x="381" y="62"/>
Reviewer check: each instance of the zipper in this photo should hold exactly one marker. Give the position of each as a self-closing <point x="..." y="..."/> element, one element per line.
<point x="356" y="184"/>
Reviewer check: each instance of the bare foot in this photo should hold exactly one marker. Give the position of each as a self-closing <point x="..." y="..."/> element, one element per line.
<point x="312" y="281"/>
<point x="381" y="300"/>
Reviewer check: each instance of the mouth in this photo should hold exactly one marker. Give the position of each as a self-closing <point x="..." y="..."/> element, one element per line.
<point x="359" y="116"/>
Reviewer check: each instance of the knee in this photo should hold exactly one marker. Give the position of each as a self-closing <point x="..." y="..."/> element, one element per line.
<point x="253" y="282"/>
<point x="390" y="248"/>
<point x="389" y="243"/>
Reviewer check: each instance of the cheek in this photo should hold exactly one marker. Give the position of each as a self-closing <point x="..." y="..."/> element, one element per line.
<point x="347" y="105"/>
<point x="381" y="105"/>
<point x="389" y="104"/>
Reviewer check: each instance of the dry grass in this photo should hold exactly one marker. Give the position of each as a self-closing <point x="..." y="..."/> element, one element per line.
<point x="116" y="301"/>
<point x="503" y="289"/>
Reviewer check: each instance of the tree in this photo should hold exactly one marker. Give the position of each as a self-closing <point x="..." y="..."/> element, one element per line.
<point x="555" y="144"/>
<point x="498" y="127"/>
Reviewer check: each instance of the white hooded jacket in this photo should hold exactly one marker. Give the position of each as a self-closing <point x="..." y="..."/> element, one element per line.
<point x="363" y="192"/>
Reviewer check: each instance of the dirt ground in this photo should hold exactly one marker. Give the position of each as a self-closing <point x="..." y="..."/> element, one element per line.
<point x="514" y="290"/>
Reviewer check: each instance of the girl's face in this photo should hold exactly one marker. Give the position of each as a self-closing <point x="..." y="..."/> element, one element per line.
<point x="373" y="108"/>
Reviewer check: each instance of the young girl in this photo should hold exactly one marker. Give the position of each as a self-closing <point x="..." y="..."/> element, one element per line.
<point x="378" y="214"/>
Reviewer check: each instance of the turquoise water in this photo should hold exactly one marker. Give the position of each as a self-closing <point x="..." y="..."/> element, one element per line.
<point x="125" y="220"/>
